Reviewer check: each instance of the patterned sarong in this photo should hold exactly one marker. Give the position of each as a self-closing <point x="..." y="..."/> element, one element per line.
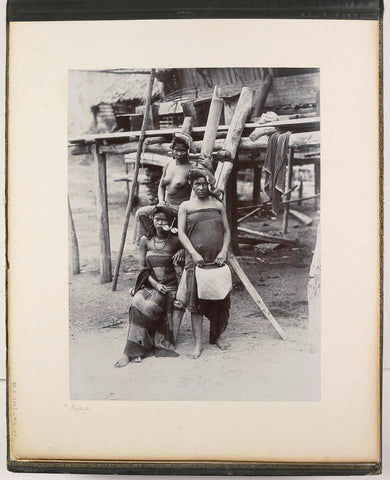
<point x="150" y="313"/>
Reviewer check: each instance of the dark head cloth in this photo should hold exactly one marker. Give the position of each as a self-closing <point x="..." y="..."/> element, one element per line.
<point x="198" y="172"/>
<point x="184" y="138"/>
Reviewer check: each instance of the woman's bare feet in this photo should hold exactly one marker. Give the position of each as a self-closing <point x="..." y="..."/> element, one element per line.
<point x="123" y="361"/>
<point x="197" y="351"/>
<point x="223" y="345"/>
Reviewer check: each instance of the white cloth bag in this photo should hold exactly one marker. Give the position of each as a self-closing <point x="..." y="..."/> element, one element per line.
<point x="214" y="283"/>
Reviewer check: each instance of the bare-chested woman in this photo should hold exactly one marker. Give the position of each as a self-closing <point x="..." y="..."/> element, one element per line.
<point x="174" y="188"/>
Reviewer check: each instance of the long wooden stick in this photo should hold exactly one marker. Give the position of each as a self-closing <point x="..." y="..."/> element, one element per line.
<point x="135" y="178"/>
<point x="255" y="295"/>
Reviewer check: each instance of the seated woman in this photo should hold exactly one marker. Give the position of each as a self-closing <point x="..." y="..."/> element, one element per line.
<point x="204" y="233"/>
<point x="174" y="187"/>
<point x="150" y="314"/>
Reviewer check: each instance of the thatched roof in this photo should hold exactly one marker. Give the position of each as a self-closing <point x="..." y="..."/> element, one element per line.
<point x="130" y="86"/>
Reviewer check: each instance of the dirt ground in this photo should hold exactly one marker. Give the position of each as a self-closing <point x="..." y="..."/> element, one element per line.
<point x="258" y="366"/>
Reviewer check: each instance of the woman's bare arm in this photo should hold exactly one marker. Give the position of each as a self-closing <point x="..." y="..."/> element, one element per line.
<point x="161" y="187"/>
<point x="142" y="252"/>
<point x="221" y="257"/>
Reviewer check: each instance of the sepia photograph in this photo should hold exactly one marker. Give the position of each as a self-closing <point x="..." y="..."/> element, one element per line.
<point x="194" y="246"/>
<point x="194" y="234"/>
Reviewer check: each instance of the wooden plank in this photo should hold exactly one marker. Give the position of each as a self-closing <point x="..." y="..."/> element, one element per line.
<point x="265" y="237"/>
<point x="255" y="295"/>
<point x="102" y="215"/>
<point x="306" y="220"/>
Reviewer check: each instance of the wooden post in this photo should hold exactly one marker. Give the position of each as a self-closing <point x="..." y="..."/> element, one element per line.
<point x="231" y="209"/>
<point x="254" y="294"/>
<point x="300" y="192"/>
<point x="135" y="179"/>
<point x="314" y="297"/>
<point x="187" y="125"/>
<point x="287" y="189"/>
<point x="261" y="97"/>
<point x="74" y="245"/>
<point x="317" y="180"/>
<point x="210" y="133"/>
<point x="190" y="111"/>
<point x="257" y="169"/>
<point x="102" y="215"/>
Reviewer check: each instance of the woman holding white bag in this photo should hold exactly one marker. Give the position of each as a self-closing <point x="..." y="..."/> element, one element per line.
<point x="204" y="233"/>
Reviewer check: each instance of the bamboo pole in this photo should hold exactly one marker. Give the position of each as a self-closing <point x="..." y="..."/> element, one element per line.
<point x="102" y="215"/>
<point x="74" y="243"/>
<point x="255" y="295"/>
<point x="135" y="179"/>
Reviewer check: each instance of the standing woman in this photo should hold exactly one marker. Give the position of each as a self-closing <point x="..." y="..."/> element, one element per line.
<point x="204" y="233"/>
<point x="173" y="188"/>
<point x="150" y="313"/>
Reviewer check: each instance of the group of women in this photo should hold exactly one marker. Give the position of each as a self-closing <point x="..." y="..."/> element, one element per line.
<point x="202" y="237"/>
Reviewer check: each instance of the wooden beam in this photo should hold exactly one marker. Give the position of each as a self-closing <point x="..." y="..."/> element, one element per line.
<point x="255" y="295"/>
<point x="102" y="215"/>
<point x="306" y="220"/>
<point x="301" y="124"/>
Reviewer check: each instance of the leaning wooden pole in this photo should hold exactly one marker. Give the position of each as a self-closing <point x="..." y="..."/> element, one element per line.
<point x="222" y="174"/>
<point x="255" y="294"/>
<point x="74" y="245"/>
<point x="135" y="179"/>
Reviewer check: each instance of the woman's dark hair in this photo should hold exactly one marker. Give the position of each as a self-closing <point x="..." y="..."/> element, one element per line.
<point x="181" y="141"/>
<point x="167" y="211"/>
